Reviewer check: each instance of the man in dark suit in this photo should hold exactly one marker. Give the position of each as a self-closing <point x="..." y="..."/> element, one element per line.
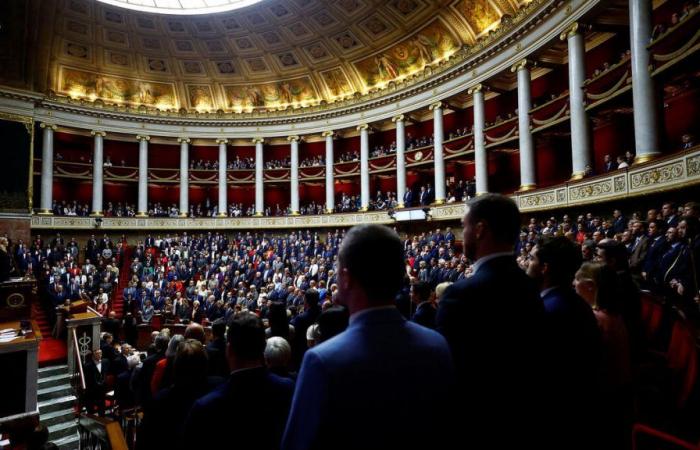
<point x="262" y="399"/>
<point x="493" y="322"/>
<point x="619" y="222"/>
<point x="573" y="339"/>
<point x="638" y="250"/>
<point x="657" y="243"/>
<point x="95" y="372"/>
<point x="425" y="309"/>
<point x="408" y="197"/>
<point x="668" y="212"/>
<point x="216" y="350"/>
<point x="368" y="386"/>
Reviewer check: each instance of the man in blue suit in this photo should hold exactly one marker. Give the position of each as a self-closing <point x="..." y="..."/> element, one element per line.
<point x="408" y="197"/>
<point x="253" y="398"/>
<point x="383" y="383"/>
<point x="493" y="322"/>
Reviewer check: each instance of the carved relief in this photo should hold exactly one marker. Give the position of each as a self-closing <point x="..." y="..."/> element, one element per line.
<point x="658" y="175"/>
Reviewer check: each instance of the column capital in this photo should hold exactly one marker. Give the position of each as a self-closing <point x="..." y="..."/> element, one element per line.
<point x="183" y="140"/>
<point x="475" y="89"/>
<point x="222" y="141"/>
<point x="258" y="140"/>
<point x="50" y="126"/>
<point x="362" y="126"/>
<point x="143" y="137"/>
<point x="293" y="138"/>
<point x="327" y="133"/>
<point x="98" y="133"/>
<point x="570" y="32"/>
<point x="436" y="105"/>
<point x="399" y="118"/>
<point x="520" y="65"/>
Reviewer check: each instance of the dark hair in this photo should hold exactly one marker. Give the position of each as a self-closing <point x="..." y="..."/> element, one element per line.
<point x="692" y="224"/>
<point x="373" y="254"/>
<point x="190" y="364"/>
<point x="279" y="324"/>
<point x="218" y="328"/>
<point x="246" y="336"/>
<point x="617" y="251"/>
<point x="500" y="213"/>
<point x="422" y="290"/>
<point x="312" y="297"/>
<point x="562" y="257"/>
<point x="332" y="322"/>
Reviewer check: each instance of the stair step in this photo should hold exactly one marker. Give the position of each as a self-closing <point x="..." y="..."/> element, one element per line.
<point x="56" y="404"/>
<point x="43" y="370"/>
<point x="56" y="417"/>
<point x="69" y="442"/>
<point x="63" y="429"/>
<point x="54" y="380"/>
<point x="54" y="392"/>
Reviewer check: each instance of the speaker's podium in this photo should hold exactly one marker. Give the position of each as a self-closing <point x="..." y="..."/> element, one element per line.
<point x="19" y="348"/>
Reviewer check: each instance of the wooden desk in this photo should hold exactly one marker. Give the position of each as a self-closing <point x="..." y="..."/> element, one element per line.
<point x="20" y="358"/>
<point x="16" y="297"/>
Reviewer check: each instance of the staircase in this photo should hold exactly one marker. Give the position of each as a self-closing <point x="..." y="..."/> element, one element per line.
<point x="56" y="403"/>
<point x="51" y="351"/>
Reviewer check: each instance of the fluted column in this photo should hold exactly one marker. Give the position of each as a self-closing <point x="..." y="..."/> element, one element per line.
<point x="438" y="156"/>
<point x="364" y="166"/>
<point x="400" y="122"/>
<point x="481" y="161"/>
<point x="142" y="210"/>
<point x="47" y="170"/>
<point x="259" y="163"/>
<point x="580" y="140"/>
<point x="97" y="172"/>
<point x="294" y="174"/>
<point x="330" y="186"/>
<point x="223" y="200"/>
<point x="184" y="176"/>
<point x="646" y="132"/>
<point x="527" y="152"/>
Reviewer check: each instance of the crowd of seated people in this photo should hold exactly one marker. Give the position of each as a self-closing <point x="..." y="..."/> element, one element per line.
<point x="676" y="18"/>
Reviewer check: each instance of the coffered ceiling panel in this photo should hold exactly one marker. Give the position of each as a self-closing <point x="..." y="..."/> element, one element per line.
<point x="274" y="54"/>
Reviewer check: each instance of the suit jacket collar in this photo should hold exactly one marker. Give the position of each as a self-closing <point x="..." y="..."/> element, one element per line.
<point x="378" y="314"/>
<point x="493" y="258"/>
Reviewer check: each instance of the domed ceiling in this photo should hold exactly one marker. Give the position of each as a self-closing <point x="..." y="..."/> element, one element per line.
<point x="271" y="55"/>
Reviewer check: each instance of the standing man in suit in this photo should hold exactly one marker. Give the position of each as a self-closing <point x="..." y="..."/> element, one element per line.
<point x="639" y="249"/>
<point x="493" y="321"/>
<point x="573" y="340"/>
<point x="408" y="197"/>
<point x="367" y="387"/>
<point x="262" y="399"/>
<point x="95" y="386"/>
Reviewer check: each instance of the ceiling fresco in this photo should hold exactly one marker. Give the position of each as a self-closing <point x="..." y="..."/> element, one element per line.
<point x="273" y="55"/>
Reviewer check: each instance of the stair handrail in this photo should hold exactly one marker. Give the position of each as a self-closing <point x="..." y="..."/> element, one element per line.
<point x="80" y="362"/>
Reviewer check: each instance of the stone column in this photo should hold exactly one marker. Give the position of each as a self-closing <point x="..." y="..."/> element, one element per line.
<point x="184" y="176"/>
<point x="47" y="170"/>
<point x="438" y="156"/>
<point x="142" y="210"/>
<point x="400" y="122"/>
<point x="646" y="133"/>
<point x="481" y="161"/>
<point x="97" y="173"/>
<point x="580" y="140"/>
<point x="527" y="151"/>
<point x="259" y="165"/>
<point x="223" y="199"/>
<point x="364" y="166"/>
<point x="330" y="186"/>
<point x="294" y="174"/>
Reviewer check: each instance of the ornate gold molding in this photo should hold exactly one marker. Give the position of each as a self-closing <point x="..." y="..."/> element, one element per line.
<point x="50" y="126"/>
<point x="293" y="138"/>
<point x="328" y="133"/>
<point x="399" y="118"/>
<point x="474" y="89"/>
<point x="99" y="133"/>
<point x="520" y="65"/>
<point x="570" y="32"/>
<point x="436" y="106"/>
<point x="183" y="140"/>
<point x="143" y="137"/>
<point x="362" y="127"/>
<point x="222" y="141"/>
<point x="258" y="140"/>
